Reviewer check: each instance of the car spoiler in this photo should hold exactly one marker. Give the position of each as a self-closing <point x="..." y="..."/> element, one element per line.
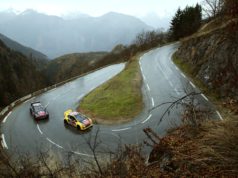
<point x="67" y="112"/>
<point x="35" y="102"/>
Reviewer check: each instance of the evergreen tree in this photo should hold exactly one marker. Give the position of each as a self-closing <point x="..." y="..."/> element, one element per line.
<point x="185" y="22"/>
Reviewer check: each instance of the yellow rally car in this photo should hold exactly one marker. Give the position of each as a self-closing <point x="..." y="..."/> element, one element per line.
<point x="77" y="120"/>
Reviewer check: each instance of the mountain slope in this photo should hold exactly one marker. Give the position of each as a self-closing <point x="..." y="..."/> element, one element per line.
<point x="39" y="59"/>
<point x="55" y="36"/>
<point x="18" y="75"/>
<point x="71" y="65"/>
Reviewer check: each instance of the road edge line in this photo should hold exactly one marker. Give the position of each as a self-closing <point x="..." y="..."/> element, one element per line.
<point x="3" y="141"/>
<point x="147" y="119"/>
<point x="5" y="118"/>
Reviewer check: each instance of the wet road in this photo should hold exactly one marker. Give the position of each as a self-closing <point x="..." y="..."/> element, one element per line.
<point x="162" y="82"/>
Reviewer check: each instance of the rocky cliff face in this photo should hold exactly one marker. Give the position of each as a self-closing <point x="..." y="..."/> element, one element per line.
<point x="213" y="57"/>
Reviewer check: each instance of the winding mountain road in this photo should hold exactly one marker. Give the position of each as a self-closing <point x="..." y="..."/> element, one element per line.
<point x="162" y="83"/>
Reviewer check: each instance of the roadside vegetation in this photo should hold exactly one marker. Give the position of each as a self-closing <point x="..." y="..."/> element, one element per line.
<point x="190" y="71"/>
<point x="118" y="100"/>
<point x="200" y="147"/>
<point x="71" y="65"/>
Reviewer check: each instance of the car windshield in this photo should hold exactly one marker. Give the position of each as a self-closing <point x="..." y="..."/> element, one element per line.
<point x="38" y="108"/>
<point x="79" y="117"/>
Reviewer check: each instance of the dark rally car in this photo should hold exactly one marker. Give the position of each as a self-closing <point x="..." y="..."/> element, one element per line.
<point x="38" y="111"/>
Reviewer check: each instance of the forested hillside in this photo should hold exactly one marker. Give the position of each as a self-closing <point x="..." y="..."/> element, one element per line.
<point x="37" y="58"/>
<point x="71" y="65"/>
<point x="18" y="75"/>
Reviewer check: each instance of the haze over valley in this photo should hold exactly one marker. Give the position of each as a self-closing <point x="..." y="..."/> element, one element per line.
<point x="118" y="88"/>
<point x="55" y="36"/>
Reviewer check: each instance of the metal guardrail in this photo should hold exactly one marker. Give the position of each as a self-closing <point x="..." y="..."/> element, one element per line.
<point x="8" y="108"/>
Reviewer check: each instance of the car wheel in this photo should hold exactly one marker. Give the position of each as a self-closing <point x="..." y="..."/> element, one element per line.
<point x="65" y="122"/>
<point x="78" y="127"/>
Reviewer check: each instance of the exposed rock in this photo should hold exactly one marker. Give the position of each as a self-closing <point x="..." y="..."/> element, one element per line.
<point x="214" y="59"/>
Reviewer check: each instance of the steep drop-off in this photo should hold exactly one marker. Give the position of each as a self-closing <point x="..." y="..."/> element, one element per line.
<point x="212" y="56"/>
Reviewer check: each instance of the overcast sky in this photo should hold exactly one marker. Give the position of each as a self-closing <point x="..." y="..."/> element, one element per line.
<point x="137" y="8"/>
<point x="156" y="13"/>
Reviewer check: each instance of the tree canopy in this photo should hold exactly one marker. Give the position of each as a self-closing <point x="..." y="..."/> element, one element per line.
<point x="185" y="22"/>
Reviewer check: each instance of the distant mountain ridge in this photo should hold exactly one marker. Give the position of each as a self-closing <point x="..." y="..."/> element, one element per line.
<point x="55" y="36"/>
<point x="39" y="59"/>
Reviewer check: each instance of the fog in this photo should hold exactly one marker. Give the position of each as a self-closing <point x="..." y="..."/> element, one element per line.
<point x="55" y="36"/>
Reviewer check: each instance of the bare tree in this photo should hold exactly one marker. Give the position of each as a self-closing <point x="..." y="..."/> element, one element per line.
<point x="212" y="8"/>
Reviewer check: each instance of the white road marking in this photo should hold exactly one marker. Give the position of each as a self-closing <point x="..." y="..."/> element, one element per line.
<point x="118" y="130"/>
<point x="219" y="115"/>
<point x="177" y="92"/>
<point x="143" y="76"/>
<point x="4" y="144"/>
<point x="148" y="87"/>
<point x="204" y="97"/>
<point x="54" y="143"/>
<point x="39" y="129"/>
<point x="152" y="102"/>
<point x="141" y="69"/>
<point x="50" y="140"/>
<point x="83" y="154"/>
<point x="140" y="62"/>
<point x="191" y="83"/>
<point x="4" y="120"/>
<point x="160" y="68"/>
<point x="147" y="119"/>
<point x="167" y="78"/>
<point x="168" y="68"/>
<point x="183" y="75"/>
<point x="59" y="146"/>
<point x="171" y="84"/>
<point x="80" y="97"/>
<point x="47" y="104"/>
<point x="176" y="68"/>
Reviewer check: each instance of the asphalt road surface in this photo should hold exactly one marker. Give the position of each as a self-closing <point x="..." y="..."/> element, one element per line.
<point x="163" y="82"/>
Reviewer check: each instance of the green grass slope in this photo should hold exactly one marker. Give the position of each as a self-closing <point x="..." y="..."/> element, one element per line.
<point x="118" y="100"/>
